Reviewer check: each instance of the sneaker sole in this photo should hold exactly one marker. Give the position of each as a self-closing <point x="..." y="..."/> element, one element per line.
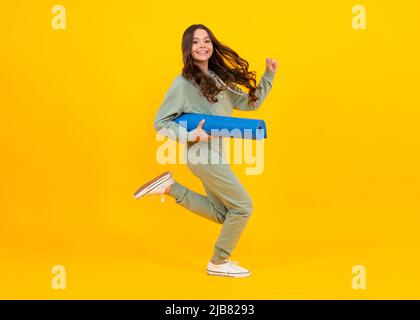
<point x="229" y="275"/>
<point x="145" y="189"/>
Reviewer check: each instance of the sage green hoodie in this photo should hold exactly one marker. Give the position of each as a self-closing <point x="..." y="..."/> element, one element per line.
<point x="184" y="97"/>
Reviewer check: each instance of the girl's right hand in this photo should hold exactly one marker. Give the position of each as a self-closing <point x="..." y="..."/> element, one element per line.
<point x="199" y="134"/>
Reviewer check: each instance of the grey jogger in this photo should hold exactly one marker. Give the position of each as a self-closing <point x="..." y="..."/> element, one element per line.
<point x="227" y="202"/>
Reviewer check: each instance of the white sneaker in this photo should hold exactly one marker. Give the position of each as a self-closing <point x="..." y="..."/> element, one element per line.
<point x="228" y="269"/>
<point x="156" y="186"/>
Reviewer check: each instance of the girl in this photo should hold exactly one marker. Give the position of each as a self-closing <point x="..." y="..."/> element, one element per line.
<point x="208" y="85"/>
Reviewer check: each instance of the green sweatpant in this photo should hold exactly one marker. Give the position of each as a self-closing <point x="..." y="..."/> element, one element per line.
<point x="227" y="202"/>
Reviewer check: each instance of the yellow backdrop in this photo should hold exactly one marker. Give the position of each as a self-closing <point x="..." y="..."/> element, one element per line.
<point x="340" y="186"/>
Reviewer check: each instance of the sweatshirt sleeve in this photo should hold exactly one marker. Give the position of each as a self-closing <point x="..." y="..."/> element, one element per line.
<point x="171" y="108"/>
<point x="240" y="102"/>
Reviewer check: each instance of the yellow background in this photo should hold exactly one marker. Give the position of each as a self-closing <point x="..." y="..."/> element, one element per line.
<point x="341" y="180"/>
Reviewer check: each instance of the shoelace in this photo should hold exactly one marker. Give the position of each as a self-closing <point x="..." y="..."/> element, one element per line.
<point x="162" y="198"/>
<point x="234" y="265"/>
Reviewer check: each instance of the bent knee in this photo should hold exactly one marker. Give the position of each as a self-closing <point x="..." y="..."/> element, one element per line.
<point x="248" y="208"/>
<point x="245" y="208"/>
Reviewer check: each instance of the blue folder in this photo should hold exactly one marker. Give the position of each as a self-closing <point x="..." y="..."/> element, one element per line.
<point x="234" y="127"/>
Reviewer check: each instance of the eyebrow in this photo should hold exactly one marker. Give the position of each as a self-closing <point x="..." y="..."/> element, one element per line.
<point x="203" y="38"/>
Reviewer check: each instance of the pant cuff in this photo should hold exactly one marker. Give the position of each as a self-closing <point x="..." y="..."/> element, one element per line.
<point x="216" y="258"/>
<point x="178" y="191"/>
<point x="220" y="253"/>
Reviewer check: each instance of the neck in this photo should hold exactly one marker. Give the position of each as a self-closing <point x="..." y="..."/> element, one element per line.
<point x="203" y="65"/>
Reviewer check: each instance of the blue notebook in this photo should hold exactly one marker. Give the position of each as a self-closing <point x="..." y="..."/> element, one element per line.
<point x="232" y="127"/>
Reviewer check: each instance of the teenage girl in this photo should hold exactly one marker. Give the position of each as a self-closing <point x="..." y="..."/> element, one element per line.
<point x="208" y="85"/>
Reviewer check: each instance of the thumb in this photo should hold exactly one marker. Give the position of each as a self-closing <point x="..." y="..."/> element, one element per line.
<point x="200" y="125"/>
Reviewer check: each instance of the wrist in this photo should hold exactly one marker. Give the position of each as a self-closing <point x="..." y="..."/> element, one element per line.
<point x="269" y="74"/>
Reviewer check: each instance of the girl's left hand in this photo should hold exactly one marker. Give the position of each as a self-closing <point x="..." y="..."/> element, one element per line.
<point x="272" y="64"/>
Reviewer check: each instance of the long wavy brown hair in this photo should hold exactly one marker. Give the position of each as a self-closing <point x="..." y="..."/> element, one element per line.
<point x="224" y="61"/>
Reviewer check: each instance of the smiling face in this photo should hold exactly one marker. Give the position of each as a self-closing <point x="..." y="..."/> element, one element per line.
<point x="202" y="46"/>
